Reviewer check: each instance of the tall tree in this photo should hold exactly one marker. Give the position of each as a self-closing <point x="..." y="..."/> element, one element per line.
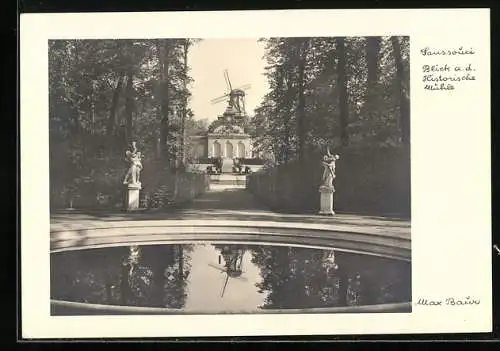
<point x="164" y="62"/>
<point x="129" y="106"/>
<point x="372" y="94"/>
<point x="404" y="96"/>
<point x="372" y="57"/>
<point x="113" y="119"/>
<point x="343" y="95"/>
<point x="303" y="47"/>
<point x="186" y="45"/>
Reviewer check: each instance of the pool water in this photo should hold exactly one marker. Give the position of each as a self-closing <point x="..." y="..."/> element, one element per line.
<point x="227" y="277"/>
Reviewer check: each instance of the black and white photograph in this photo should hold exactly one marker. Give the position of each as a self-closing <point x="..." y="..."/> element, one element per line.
<point x="255" y="175"/>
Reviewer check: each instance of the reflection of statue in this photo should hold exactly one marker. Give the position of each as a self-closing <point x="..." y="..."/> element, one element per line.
<point x="329" y="261"/>
<point x="329" y="168"/>
<point x="134" y="158"/>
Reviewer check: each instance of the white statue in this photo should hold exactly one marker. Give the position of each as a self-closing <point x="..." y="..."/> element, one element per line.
<point x="329" y="168"/>
<point x="134" y="158"/>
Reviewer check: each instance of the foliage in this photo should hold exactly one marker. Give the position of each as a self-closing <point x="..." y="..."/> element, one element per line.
<point x="103" y="94"/>
<point x="296" y="277"/>
<point x="332" y="92"/>
<point x="148" y="276"/>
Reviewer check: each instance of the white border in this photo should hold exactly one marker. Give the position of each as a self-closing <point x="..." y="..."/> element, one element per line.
<point x="451" y="216"/>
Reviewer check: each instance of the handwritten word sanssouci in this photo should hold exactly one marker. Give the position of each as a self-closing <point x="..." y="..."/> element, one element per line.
<point x="446" y="52"/>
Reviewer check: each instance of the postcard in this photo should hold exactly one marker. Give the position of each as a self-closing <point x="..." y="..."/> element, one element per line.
<point x="255" y="173"/>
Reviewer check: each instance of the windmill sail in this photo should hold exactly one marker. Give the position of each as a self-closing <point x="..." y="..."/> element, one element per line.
<point x="235" y="97"/>
<point x="225" y="284"/>
<point x="220" y="99"/>
<point x="228" y="82"/>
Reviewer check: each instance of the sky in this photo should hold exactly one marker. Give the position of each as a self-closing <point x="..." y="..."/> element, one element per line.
<point x="243" y="58"/>
<point x="205" y="284"/>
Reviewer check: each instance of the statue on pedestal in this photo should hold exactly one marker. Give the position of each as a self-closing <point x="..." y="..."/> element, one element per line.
<point x="328" y="163"/>
<point x="134" y="158"/>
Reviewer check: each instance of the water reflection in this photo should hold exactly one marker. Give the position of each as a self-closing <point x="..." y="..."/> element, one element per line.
<point x="232" y="257"/>
<point x="153" y="275"/>
<point x="227" y="277"/>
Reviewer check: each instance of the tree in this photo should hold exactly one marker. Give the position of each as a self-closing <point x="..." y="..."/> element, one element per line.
<point x="164" y="62"/>
<point x="129" y="106"/>
<point x="404" y="96"/>
<point x="301" y="115"/>
<point x="331" y="92"/>
<point x="372" y="94"/>
<point x="343" y="102"/>
<point x="186" y="112"/>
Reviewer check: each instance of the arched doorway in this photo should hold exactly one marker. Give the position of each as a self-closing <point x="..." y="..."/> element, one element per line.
<point x="241" y="150"/>
<point x="229" y="150"/>
<point x="217" y="149"/>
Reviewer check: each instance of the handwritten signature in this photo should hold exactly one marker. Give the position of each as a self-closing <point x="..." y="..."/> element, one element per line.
<point x="449" y="301"/>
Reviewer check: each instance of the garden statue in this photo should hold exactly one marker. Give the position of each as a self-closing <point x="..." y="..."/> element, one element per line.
<point x="328" y="163"/>
<point x="134" y="158"/>
<point x="327" y="189"/>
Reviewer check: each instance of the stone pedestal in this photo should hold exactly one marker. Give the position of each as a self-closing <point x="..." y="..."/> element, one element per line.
<point x="133" y="196"/>
<point x="326" y="201"/>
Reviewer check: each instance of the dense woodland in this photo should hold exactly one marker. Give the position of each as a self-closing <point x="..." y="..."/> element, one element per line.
<point x="106" y="93"/>
<point x="334" y="91"/>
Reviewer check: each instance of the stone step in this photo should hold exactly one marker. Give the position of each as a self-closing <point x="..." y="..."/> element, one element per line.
<point x="227" y="166"/>
<point x="228" y="179"/>
<point x="227" y="176"/>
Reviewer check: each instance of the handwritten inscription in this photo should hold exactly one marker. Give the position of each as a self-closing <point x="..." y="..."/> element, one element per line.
<point x="447" y="52"/>
<point x="449" y="301"/>
<point x="439" y="76"/>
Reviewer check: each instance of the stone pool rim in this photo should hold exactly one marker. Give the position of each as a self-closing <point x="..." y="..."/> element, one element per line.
<point x="377" y="241"/>
<point x="101" y="309"/>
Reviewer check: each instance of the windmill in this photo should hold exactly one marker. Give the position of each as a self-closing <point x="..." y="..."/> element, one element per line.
<point x="234" y="97"/>
<point x="233" y="266"/>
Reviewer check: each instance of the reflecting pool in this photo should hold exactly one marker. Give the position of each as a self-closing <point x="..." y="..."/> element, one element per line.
<point x="227" y="277"/>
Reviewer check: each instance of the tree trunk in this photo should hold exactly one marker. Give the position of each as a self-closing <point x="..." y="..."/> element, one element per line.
<point x="159" y="265"/>
<point x="372" y="56"/>
<point x="404" y="101"/>
<point x="184" y="107"/>
<point x="164" y="51"/>
<point x="112" y="119"/>
<point x="372" y="62"/>
<point x="301" y="118"/>
<point x="343" y="280"/>
<point x="125" y="288"/>
<point x="287" y="143"/>
<point x="129" y="108"/>
<point x="181" y="263"/>
<point x="92" y="107"/>
<point x="342" y="81"/>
